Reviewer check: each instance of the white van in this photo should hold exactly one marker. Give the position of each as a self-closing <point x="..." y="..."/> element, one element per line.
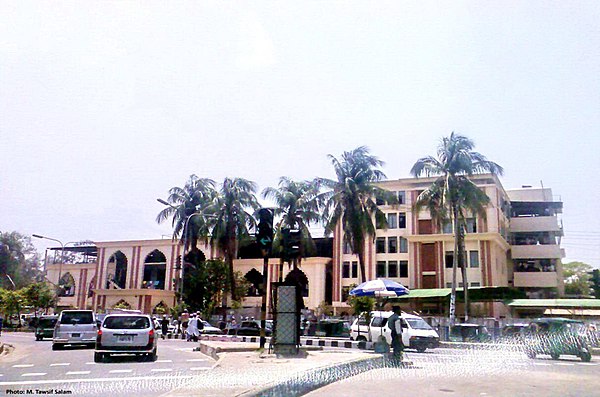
<point x="416" y="333"/>
<point x="75" y="327"/>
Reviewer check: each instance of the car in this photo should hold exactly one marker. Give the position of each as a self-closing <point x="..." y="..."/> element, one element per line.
<point x="557" y="336"/>
<point x="44" y="327"/>
<point x="126" y="334"/>
<point x="513" y="333"/>
<point x="74" y="327"/>
<point x="469" y="333"/>
<point x="416" y="333"/>
<point x="249" y="328"/>
<point x="209" y="329"/>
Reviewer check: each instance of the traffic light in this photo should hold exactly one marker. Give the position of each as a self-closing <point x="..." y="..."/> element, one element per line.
<point x="292" y="243"/>
<point x="264" y="237"/>
<point x="594" y="281"/>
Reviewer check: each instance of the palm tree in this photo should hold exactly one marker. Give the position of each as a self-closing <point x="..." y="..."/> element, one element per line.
<point x="351" y="199"/>
<point x="230" y="221"/>
<point x="189" y="202"/>
<point x="297" y="204"/>
<point x="452" y="196"/>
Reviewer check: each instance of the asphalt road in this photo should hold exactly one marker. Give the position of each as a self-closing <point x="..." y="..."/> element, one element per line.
<point x="35" y="367"/>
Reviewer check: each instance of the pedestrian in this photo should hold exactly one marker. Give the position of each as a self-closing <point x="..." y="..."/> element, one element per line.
<point x="164" y="326"/>
<point x="395" y="324"/>
<point x="192" y="329"/>
<point x="185" y="318"/>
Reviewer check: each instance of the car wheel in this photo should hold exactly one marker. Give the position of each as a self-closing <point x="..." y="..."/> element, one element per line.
<point x="37" y="338"/>
<point x="98" y="357"/>
<point x="585" y="356"/>
<point x="56" y="346"/>
<point x="153" y="356"/>
<point x="554" y="356"/>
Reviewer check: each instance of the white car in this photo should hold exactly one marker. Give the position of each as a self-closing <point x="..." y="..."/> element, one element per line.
<point x="126" y="334"/>
<point x="74" y="327"/>
<point x="416" y="333"/>
<point x="209" y="329"/>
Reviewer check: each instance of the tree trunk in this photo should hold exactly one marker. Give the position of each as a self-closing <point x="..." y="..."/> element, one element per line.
<point x="463" y="265"/>
<point x="454" y="267"/>
<point x="361" y="262"/>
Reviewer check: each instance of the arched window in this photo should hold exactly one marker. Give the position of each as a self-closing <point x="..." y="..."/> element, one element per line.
<point x="67" y="285"/>
<point x="155" y="269"/>
<point x="161" y="308"/>
<point x="91" y="287"/>
<point x="116" y="271"/>
<point x="122" y="304"/>
<point x="298" y="277"/>
<point x="255" y="279"/>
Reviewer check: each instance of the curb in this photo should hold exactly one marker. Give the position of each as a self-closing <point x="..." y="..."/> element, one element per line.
<point x="313" y="379"/>
<point x="347" y="344"/>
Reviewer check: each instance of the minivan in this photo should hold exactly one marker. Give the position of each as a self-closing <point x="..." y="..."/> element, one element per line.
<point x="44" y="327"/>
<point x="416" y="333"/>
<point x="75" y="327"/>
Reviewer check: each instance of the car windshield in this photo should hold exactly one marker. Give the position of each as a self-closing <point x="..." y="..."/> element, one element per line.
<point x="77" y="318"/>
<point x="126" y="322"/>
<point x="418" y="323"/>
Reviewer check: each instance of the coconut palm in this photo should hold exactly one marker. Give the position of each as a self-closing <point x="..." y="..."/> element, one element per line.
<point x="297" y="205"/>
<point x="350" y="200"/>
<point x="189" y="202"/>
<point x="230" y="220"/>
<point x="453" y="196"/>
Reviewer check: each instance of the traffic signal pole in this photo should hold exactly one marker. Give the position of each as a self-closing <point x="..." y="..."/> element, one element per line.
<point x="265" y="241"/>
<point x="263" y="305"/>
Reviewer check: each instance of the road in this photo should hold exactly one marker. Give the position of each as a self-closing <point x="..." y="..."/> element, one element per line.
<point x="35" y="366"/>
<point x="465" y="372"/>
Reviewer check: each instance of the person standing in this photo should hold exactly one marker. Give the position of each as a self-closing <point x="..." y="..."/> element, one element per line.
<point x="185" y="318"/>
<point x="395" y="325"/>
<point x="164" y="326"/>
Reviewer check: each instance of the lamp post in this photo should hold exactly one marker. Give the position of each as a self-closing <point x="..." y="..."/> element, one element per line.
<point x="185" y="242"/>
<point x="62" y="253"/>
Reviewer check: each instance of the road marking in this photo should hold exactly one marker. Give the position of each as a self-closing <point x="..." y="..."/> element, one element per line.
<point x="566" y="364"/>
<point x="90" y="363"/>
<point x="92" y="380"/>
<point x="59" y="364"/>
<point x="199" y="368"/>
<point x="197" y="359"/>
<point x="22" y="365"/>
<point x="161" y="370"/>
<point x="588" y="363"/>
<point x="163" y="361"/>
<point x="34" y="374"/>
<point x="543" y="364"/>
<point x="78" y="372"/>
<point x="120" y="371"/>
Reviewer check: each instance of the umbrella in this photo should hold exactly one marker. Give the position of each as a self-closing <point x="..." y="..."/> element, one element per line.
<point x="380" y="287"/>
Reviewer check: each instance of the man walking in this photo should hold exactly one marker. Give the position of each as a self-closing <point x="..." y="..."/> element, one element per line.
<point x="395" y="325"/>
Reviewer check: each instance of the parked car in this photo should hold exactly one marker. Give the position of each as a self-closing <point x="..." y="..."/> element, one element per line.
<point x="513" y="333"/>
<point x="74" y="327"/>
<point x="45" y="327"/>
<point x="557" y="336"/>
<point x="210" y="329"/>
<point x="126" y="334"/>
<point x="469" y="333"/>
<point x="416" y="333"/>
<point x="332" y="328"/>
<point x="249" y="328"/>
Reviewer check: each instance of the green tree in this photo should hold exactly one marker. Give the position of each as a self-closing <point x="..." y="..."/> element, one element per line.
<point x="12" y="303"/>
<point x="577" y="278"/>
<point x="351" y="200"/>
<point x="19" y="261"/>
<point x="40" y="296"/>
<point x="297" y="205"/>
<point x="230" y="220"/>
<point x="453" y="196"/>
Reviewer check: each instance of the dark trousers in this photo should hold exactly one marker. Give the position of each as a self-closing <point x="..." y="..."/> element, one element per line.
<point x="397" y="344"/>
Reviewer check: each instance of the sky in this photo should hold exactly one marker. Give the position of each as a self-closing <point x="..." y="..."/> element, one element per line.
<point x="104" y="106"/>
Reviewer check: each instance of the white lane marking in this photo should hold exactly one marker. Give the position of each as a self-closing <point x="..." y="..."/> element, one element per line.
<point x="92" y="380"/>
<point x="34" y="374"/>
<point x="120" y="371"/>
<point x="543" y="364"/>
<point x="90" y="363"/>
<point x="59" y="364"/>
<point x="161" y="370"/>
<point x="588" y="363"/>
<point x="163" y="361"/>
<point x="78" y="372"/>
<point x="197" y="359"/>
<point x="566" y="364"/>
<point x="22" y="365"/>
<point x="200" y="368"/>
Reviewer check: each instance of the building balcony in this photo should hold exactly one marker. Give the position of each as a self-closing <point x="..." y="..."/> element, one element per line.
<point x="535" y="224"/>
<point x="550" y="251"/>
<point x="536" y="279"/>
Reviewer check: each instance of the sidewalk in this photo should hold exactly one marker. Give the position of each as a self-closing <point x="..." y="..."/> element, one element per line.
<point x="241" y="370"/>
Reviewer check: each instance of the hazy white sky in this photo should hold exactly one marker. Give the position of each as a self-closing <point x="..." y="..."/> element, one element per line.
<point x="104" y="106"/>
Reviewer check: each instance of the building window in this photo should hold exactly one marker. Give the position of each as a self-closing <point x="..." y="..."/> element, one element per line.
<point x="448" y="285"/>
<point x="392" y="221"/>
<point x="449" y="259"/>
<point x="474" y="258"/>
<point x="402" y="197"/>
<point x="402" y="220"/>
<point x="392" y="245"/>
<point x="380" y="269"/>
<point x="476" y="284"/>
<point x="354" y="269"/>
<point x="447" y="227"/>
<point x="347" y="249"/>
<point x="380" y="245"/>
<point x="403" y="269"/>
<point x="471" y="226"/>
<point x="346" y="270"/>
<point x="392" y="269"/>
<point x="403" y="245"/>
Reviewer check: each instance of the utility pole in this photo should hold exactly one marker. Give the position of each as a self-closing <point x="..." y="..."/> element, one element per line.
<point x="264" y="237"/>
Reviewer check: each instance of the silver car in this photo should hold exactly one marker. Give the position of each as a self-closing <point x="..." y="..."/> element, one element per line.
<point x="126" y="334"/>
<point x="74" y="327"/>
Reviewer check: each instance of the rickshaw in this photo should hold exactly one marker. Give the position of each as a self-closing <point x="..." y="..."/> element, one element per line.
<point x="557" y="336"/>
